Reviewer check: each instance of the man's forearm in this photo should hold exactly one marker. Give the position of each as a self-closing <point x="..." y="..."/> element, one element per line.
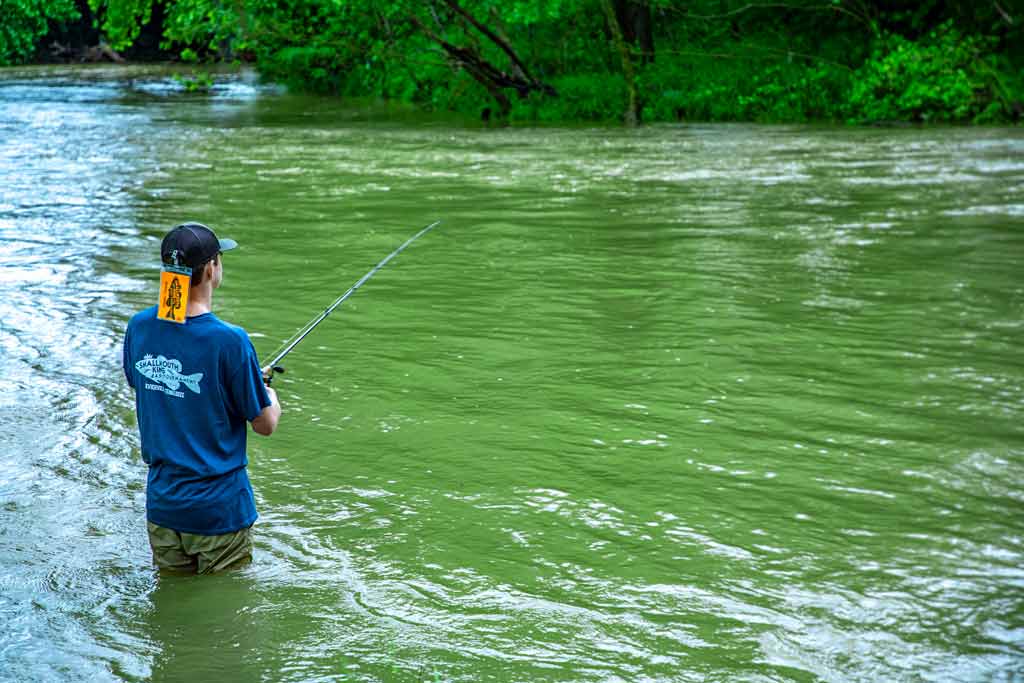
<point x="266" y="422"/>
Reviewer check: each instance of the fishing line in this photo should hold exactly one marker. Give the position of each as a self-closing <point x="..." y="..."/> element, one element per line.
<point x="294" y="340"/>
<point x="290" y="339"/>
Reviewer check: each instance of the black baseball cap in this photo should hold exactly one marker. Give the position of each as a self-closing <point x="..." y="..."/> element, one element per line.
<point x="192" y="245"/>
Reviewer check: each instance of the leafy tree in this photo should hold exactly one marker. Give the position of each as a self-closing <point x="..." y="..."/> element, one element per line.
<point x="122" y="19"/>
<point x="24" y="22"/>
<point x="788" y="60"/>
<point x="933" y="79"/>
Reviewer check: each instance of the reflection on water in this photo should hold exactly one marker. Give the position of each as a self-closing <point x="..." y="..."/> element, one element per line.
<point x="680" y="403"/>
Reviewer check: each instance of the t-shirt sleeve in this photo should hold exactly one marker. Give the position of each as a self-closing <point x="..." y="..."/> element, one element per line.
<point x="126" y="357"/>
<point x="248" y="394"/>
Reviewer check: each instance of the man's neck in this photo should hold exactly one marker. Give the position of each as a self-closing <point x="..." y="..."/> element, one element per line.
<point x="200" y="300"/>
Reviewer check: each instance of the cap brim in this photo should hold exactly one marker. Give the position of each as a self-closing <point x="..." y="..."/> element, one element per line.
<point x="226" y="244"/>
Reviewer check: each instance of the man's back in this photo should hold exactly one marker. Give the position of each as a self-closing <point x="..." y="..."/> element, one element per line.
<point x="196" y="386"/>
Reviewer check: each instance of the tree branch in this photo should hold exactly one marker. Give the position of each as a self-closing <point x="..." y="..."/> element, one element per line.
<point x="479" y="68"/>
<point x="495" y="38"/>
<point x="733" y="55"/>
<point x="470" y="58"/>
<point x="781" y="5"/>
<point x="1002" y="12"/>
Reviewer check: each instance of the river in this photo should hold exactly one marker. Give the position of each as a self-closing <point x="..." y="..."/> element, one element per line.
<point x="682" y="403"/>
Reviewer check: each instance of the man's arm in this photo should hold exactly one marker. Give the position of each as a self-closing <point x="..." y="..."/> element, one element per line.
<point x="126" y="358"/>
<point x="266" y="422"/>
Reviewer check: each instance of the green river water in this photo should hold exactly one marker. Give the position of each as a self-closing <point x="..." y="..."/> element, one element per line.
<point x="685" y="403"/>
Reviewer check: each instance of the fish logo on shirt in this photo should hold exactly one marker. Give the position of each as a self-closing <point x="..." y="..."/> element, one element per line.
<point x="167" y="371"/>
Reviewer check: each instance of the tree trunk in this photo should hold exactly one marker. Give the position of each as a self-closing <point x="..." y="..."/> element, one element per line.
<point x="632" y="116"/>
<point x="635" y="20"/>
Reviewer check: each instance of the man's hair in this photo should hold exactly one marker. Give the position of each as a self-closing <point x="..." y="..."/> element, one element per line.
<point x="200" y="272"/>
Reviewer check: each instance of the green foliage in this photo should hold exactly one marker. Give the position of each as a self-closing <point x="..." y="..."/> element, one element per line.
<point x="710" y="89"/>
<point x="202" y="25"/>
<point x="717" y="60"/>
<point x="24" y="22"/>
<point x="581" y="97"/>
<point x="938" y="78"/>
<point x="315" y="69"/>
<point x="198" y="81"/>
<point x="781" y="93"/>
<point x="122" y="19"/>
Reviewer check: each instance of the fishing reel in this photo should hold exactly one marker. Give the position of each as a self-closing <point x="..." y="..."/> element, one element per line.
<point x="267" y="379"/>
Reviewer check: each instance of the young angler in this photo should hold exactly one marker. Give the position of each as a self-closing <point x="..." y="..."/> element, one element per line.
<point x="197" y="383"/>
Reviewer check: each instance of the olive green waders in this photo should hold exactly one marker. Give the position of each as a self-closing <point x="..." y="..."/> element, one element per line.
<point x="195" y="553"/>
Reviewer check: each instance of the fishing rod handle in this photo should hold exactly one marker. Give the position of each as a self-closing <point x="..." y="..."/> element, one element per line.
<point x="268" y="378"/>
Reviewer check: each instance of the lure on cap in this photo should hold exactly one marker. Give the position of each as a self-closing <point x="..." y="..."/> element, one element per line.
<point x="175" y="285"/>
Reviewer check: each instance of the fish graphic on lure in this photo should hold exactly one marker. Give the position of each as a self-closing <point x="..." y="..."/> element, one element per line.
<point x="167" y="371"/>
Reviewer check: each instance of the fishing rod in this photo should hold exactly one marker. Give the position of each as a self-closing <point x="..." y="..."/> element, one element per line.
<point x="308" y="327"/>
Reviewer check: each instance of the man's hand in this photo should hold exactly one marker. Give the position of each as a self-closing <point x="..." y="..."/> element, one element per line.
<point x="266" y="422"/>
<point x="268" y="373"/>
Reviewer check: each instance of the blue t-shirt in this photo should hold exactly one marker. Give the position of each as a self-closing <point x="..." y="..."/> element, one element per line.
<point x="196" y="386"/>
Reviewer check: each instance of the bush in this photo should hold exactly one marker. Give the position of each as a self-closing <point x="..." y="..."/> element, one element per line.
<point x="943" y="77"/>
<point x="581" y="97"/>
<point x="689" y="89"/>
<point x="794" y="93"/>
<point x="312" y="69"/>
<point x="24" y="22"/>
<point x="742" y="90"/>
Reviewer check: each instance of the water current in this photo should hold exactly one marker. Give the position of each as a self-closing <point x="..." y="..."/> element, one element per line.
<point x="683" y="403"/>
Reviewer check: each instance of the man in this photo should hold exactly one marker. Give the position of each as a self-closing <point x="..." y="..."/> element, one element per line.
<point x="197" y="382"/>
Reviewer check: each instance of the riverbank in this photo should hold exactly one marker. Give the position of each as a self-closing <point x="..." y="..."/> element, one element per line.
<point x="572" y="108"/>
<point x="586" y="60"/>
